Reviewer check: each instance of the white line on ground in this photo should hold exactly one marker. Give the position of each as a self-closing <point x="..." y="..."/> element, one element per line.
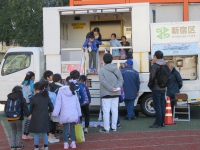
<point x="8" y="138"/>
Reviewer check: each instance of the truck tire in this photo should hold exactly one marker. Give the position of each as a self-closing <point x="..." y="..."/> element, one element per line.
<point x="146" y="105"/>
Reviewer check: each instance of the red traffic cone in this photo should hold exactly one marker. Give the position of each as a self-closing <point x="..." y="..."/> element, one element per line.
<point x="168" y="114"/>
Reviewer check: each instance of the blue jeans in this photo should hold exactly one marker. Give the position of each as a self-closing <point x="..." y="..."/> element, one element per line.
<point x="66" y="129"/>
<point x="36" y="138"/>
<point x="159" y="104"/>
<point x="129" y="103"/>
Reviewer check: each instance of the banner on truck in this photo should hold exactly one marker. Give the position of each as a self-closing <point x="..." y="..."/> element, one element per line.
<point x="177" y="49"/>
<point x="175" y="32"/>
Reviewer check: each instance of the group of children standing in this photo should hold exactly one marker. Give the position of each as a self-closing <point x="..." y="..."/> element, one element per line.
<point x="50" y="103"/>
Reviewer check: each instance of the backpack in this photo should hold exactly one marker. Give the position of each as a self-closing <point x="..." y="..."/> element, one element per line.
<point x="163" y="77"/>
<point x="52" y="96"/>
<point x="26" y="90"/>
<point x="86" y="101"/>
<point x="13" y="109"/>
<point x="122" y="54"/>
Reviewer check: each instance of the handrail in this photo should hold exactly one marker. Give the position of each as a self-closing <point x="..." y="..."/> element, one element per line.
<point x="123" y="47"/>
<point x="68" y="49"/>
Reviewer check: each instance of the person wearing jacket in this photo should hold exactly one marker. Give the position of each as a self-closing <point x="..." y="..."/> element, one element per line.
<point x="111" y="80"/>
<point x="54" y="87"/>
<point x="16" y="125"/>
<point x="158" y="93"/>
<point x="85" y="106"/>
<point x="92" y="50"/>
<point x="131" y="88"/>
<point x="47" y="78"/>
<point x="115" y="43"/>
<point x="28" y="81"/>
<point x="97" y="35"/>
<point x="68" y="106"/>
<point x="175" y="84"/>
<point x="41" y="106"/>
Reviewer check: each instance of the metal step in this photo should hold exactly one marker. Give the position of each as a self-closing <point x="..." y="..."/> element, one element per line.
<point x="181" y="113"/>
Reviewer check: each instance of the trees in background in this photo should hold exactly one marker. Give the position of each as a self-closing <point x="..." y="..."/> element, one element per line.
<point x="22" y="20"/>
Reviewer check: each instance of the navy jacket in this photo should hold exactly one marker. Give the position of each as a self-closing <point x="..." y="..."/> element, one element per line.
<point x="93" y="44"/>
<point x="131" y="82"/>
<point x="81" y="84"/>
<point x="175" y="83"/>
<point x="80" y="93"/>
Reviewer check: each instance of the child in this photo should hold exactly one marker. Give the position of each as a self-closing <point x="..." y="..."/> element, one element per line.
<point x="67" y="104"/>
<point x="115" y="43"/>
<point x="47" y="77"/>
<point x="16" y="125"/>
<point x="41" y="105"/>
<point x="54" y="87"/>
<point x="28" y="91"/>
<point x="86" y="103"/>
<point x="92" y="49"/>
<point x="67" y="80"/>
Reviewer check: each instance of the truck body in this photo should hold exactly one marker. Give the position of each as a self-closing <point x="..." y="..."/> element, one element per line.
<point x="65" y="30"/>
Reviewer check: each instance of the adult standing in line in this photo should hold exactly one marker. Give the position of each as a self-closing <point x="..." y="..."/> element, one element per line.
<point x="158" y="92"/>
<point x="97" y="35"/>
<point x="126" y="43"/>
<point x="175" y="84"/>
<point x="131" y="88"/>
<point x="111" y="80"/>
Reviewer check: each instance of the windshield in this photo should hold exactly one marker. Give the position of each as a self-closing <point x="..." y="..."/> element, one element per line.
<point x="15" y="62"/>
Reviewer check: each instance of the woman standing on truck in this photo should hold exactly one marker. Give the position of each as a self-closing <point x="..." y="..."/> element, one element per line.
<point x="126" y="43"/>
<point x="97" y="35"/>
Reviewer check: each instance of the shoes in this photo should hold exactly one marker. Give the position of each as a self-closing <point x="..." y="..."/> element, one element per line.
<point x="66" y="145"/>
<point x="155" y="126"/>
<point x="53" y="140"/>
<point x="73" y="144"/>
<point x="24" y="137"/>
<point x="134" y="118"/>
<point x="114" y="130"/>
<point x="12" y="147"/>
<point x="20" y="147"/>
<point x="103" y="130"/>
<point x="118" y="126"/>
<point x="57" y="137"/>
<point x="163" y="125"/>
<point x="44" y="148"/>
<point x="86" y="130"/>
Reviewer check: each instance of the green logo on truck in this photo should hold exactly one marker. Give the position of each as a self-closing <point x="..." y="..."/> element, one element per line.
<point x="163" y="33"/>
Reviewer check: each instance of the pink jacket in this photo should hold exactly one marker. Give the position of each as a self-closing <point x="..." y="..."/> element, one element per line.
<point x="67" y="105"/>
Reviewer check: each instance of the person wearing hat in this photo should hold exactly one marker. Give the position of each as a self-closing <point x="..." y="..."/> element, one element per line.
<point x="131" y="87"/>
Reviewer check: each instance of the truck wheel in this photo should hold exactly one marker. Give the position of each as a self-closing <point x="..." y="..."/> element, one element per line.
<point x="146" y="105"/>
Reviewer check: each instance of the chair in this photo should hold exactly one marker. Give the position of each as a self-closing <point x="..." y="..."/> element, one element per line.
<point x="184" y="98"/>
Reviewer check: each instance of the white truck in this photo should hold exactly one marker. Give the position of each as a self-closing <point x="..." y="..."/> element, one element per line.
<point x="65" y="30"/>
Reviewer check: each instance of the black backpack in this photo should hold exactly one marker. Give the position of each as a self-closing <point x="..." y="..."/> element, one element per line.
<point x="163" y="77"/>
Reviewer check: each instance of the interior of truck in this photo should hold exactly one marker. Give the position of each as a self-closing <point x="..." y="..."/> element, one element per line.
<point x="73" y="34"/>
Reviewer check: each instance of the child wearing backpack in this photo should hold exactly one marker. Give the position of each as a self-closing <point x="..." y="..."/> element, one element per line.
<point x="18" y="102"/>
<point x="28" y="91"/>
<point x="67" y="104"/>
<point x="86" y="103"/>
<point x="54" y="88"/>
<point x="41" y="106"/>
